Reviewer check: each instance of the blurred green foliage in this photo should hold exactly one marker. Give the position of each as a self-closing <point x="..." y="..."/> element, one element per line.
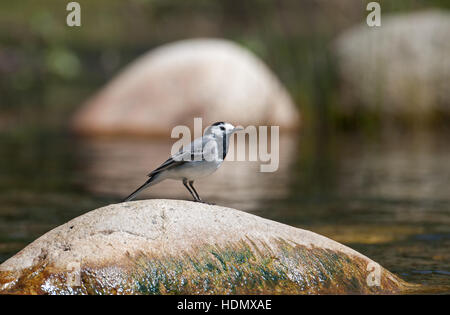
<point x="47" y="68"/>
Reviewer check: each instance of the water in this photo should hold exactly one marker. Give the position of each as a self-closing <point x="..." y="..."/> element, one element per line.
<point x="387" y="198"/>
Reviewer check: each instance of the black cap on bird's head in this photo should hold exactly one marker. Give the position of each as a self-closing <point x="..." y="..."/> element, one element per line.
<point x="221" y="128"/>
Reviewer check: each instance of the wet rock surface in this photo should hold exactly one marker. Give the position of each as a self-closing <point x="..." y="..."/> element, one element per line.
<point x="182" y="247"/>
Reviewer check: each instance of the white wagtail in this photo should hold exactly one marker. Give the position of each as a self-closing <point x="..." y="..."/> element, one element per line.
<point x="200" y="158"/>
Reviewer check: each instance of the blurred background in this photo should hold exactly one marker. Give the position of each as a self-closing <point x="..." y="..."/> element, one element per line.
<point x="364" y="115"/>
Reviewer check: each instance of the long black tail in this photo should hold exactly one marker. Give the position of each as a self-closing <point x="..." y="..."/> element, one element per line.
<point x="137" y="191"/>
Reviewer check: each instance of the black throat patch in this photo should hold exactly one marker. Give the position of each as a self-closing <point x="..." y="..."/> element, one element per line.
<point x="224" y="148"/>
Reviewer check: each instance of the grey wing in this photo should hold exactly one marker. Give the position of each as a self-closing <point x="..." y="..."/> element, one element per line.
<point x="190" y="152"/>
<point x="170" y="162"/>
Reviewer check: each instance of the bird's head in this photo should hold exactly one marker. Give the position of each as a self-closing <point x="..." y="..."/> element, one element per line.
<point x="221" y="129"/>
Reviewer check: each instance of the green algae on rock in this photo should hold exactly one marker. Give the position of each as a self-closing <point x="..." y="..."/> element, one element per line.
<point x="182" y="247"/>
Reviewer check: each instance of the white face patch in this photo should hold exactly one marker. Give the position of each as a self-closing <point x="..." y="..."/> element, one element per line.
<point x="228" y="127"/>
<point x="221" y="130"/>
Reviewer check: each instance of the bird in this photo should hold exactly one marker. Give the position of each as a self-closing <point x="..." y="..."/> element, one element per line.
<point x="200" y="158"/>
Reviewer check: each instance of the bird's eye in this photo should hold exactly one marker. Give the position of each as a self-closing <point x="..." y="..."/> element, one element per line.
<point x="222" y="128"/>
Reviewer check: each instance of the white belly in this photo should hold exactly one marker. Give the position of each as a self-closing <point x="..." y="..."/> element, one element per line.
<point x="193" y="170"/>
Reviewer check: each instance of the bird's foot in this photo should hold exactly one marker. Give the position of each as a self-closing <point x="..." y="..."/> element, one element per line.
<point x="206" y="203"/>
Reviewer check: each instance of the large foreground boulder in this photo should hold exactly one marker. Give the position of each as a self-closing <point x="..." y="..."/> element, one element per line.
<point x="209" y="78"/>
<point x="400" y="68"/>
<point x="170" y="246"/>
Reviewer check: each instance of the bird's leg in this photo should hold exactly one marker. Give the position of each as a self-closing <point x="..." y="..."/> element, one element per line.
<point x="191" y="183"/>
<point x="190" y="191"/>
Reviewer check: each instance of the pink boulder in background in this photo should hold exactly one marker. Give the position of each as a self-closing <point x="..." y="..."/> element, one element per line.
<point x="209" y="78"/>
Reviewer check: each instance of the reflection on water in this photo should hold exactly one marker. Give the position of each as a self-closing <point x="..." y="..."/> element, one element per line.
<point x="387" y="198"/>
<point x="116" y="167"/>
